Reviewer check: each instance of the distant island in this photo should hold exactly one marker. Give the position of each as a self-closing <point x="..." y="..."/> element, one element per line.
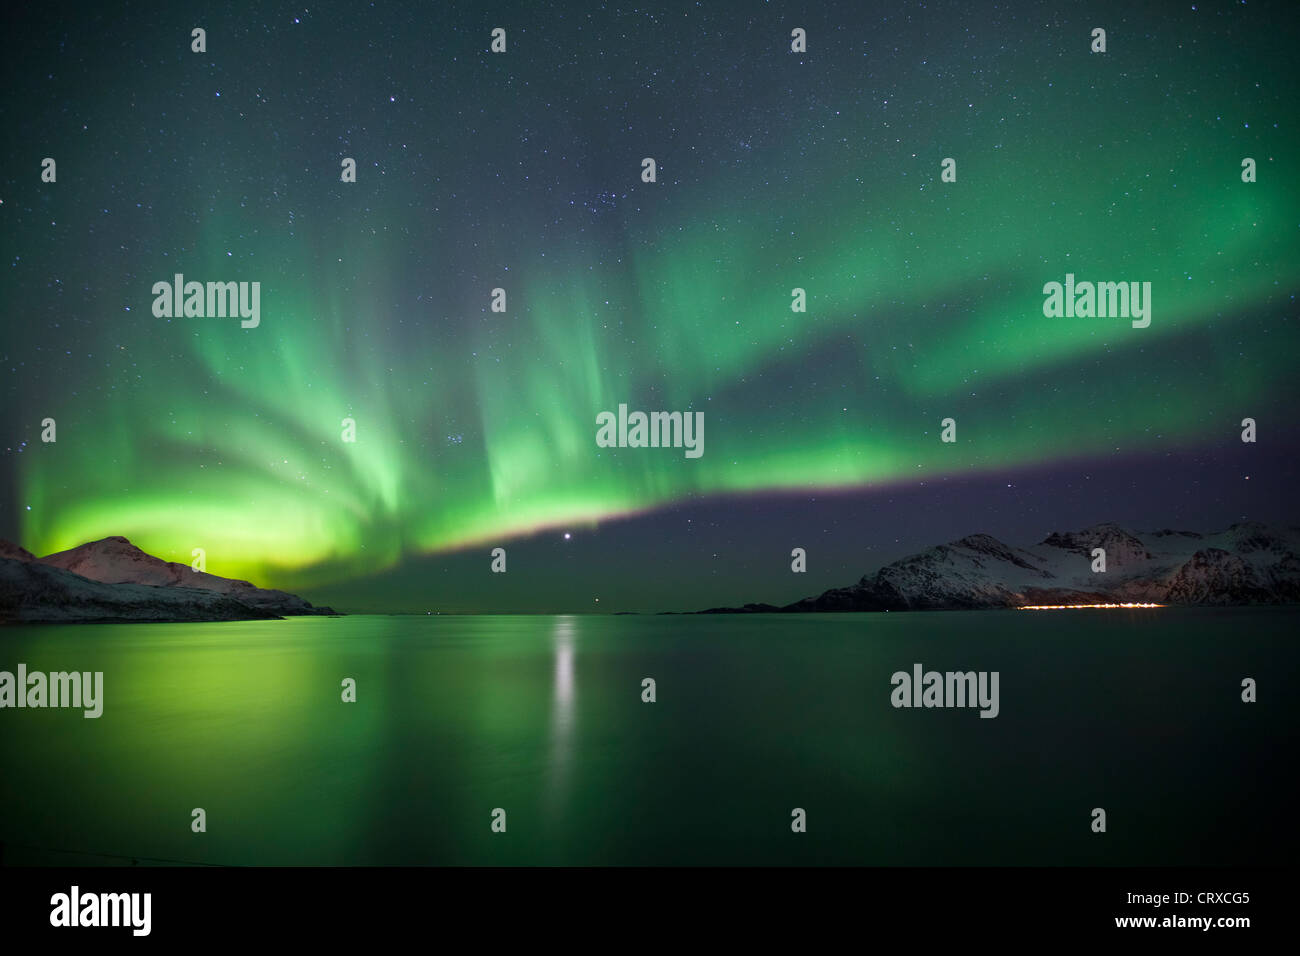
<point x="113" y="580"/>
<point x="1249" y="563"/>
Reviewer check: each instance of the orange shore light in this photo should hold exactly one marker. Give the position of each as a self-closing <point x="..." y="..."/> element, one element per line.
<point x="1070" y="607"/>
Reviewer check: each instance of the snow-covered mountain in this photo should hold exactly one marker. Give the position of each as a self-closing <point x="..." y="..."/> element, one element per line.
<point x="112" y="579"/>
<point x="1248" y="563"/>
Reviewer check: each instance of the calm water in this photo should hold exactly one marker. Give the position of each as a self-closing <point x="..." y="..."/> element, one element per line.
<point x="1138" y="712"/>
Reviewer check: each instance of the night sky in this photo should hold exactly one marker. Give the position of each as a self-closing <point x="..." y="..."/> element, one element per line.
<point x="522" y="170"/>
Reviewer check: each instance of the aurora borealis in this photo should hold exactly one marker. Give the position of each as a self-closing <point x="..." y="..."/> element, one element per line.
<point x="521" y="171"/>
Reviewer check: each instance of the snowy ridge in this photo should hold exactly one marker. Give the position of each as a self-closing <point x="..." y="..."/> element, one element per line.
<point x="1248" y="563"/>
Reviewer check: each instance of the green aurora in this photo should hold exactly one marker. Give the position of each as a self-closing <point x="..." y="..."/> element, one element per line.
<point x="473" y="428"/>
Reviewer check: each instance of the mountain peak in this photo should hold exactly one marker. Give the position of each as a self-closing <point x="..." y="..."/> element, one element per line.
<point x="10" y="550"/>
<point x="114" y="542"/>
<point x="113" y="579"/>
<point x="115" y="560"/>
<point x="979" y="542"/>
<point x="1121" y="545"/>
<point x="1106" y="527"/>
<point x="1252" y="536"/>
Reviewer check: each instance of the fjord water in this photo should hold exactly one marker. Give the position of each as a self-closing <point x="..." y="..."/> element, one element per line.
<point x="1137" y="712"/>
